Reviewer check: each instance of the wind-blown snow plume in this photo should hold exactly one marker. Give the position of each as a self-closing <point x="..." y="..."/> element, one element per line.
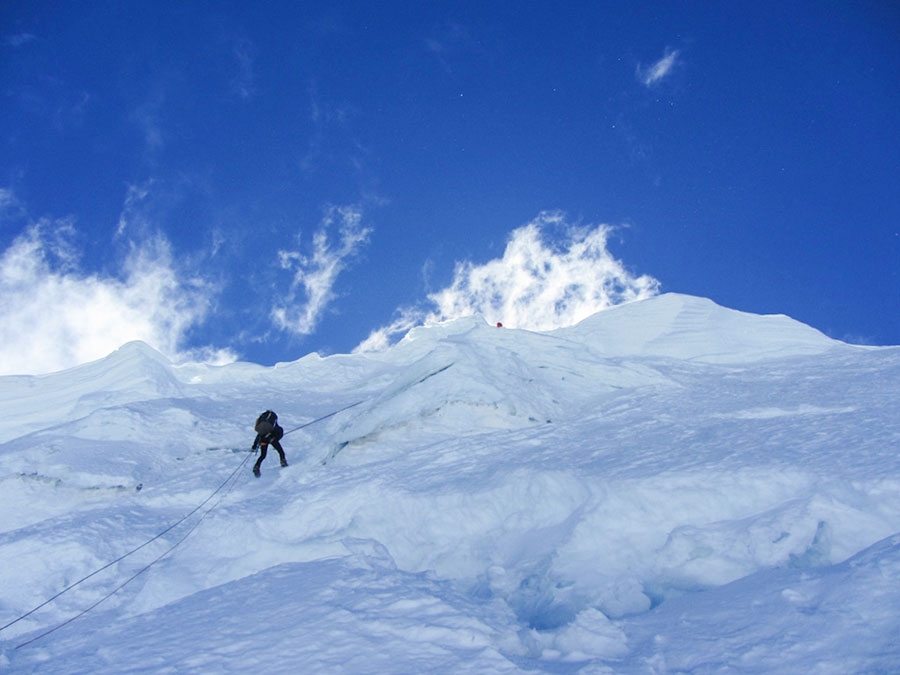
<point x="539" y="286"/>
<point x="542" y="282"/>
<point x="53" y="316"/>
<point x="317" y="273"/>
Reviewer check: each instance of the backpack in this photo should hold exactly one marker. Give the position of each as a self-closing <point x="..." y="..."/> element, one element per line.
<point x="266" y="423"/>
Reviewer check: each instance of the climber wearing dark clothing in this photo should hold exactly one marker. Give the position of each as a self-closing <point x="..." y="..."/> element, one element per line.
<point x="267" y="431"/>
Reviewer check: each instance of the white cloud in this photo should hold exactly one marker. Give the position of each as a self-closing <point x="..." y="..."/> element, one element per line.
<point x="653" y="74"/>
<point x="18" y="40"/>
<point x="53" y="316"/>
<point x="244" y="55"/>
<point x="132" y="216"/>
<point x="328" y="141"/>
<point x="538" y="284"/>
<point x="10" y="208"/>
<point x="315" y="274"/>
<point x="147" y="117"/>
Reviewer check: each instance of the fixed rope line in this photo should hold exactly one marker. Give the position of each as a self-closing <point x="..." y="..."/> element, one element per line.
<point x="132" y="551"/>
<point x="150" y="541"/>
<point x="353" y="405"/>
<point x="143" y="569"/>
<point x="323" y="417"/>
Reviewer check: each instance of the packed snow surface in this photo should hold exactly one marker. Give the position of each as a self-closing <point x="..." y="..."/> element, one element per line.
<point x="669" y="486"/>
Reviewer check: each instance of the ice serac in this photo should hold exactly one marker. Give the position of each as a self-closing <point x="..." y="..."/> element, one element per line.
<point x="697" y="329"/>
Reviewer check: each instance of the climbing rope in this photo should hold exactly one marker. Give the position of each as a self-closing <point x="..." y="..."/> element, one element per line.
<point x="150" y="564"/>
<point x="323" y="417"/>
<point x="125" y="555"/>
<point x="231" y="478"/>
<point x="131" y="552"/>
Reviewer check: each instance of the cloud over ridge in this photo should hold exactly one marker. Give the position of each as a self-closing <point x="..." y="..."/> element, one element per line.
<point x="552" y="274"/>
<point x="53" y="316"/>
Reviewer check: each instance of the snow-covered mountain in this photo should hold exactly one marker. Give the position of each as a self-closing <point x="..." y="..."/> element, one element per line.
<point x="669" y="486"/>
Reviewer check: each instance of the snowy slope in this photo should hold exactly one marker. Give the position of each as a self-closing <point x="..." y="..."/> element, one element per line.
<point x="670" y="486"/>
<point x="697" y="329"/>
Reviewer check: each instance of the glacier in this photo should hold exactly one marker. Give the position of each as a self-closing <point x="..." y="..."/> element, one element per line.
<point x="668" y="486"/>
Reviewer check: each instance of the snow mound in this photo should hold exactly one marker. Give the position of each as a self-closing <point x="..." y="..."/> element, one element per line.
<point x="134" y="372"/>
<point x="686" y="327"/>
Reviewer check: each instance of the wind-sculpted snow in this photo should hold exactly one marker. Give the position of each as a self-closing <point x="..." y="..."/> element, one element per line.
<point x="684" y="327"/>
<point x="668" y="487"/>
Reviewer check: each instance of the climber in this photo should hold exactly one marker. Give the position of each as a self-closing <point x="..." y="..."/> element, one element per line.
<point x="267" y="431"/>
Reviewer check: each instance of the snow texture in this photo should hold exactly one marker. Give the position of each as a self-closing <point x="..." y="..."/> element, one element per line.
<point x="668" y="487"/>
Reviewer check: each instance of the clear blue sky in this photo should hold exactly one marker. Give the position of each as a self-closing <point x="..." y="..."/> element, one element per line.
<point x="276" y="178"/>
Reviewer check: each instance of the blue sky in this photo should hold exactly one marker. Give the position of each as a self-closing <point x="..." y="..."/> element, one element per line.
<point x="265" y="180"/>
